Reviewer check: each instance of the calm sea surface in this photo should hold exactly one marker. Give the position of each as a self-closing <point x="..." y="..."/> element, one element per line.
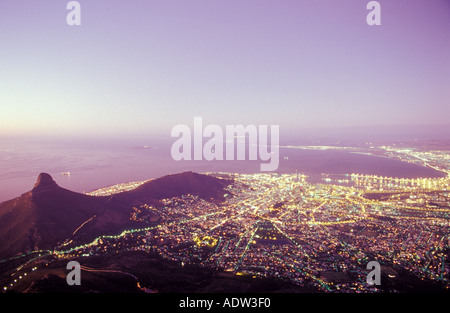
<point x="95" y="164"/>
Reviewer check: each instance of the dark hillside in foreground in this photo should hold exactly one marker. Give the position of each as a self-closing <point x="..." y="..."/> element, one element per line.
<point x="42" y="217"/>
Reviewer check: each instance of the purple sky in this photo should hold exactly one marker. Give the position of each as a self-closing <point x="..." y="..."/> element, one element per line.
<point x="145" y="66"/>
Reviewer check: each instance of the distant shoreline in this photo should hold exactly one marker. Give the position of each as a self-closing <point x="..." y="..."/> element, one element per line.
<point x="96" y="167"/>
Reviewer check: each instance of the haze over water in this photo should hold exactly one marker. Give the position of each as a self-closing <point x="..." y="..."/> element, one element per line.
<point x="95" y="164"/>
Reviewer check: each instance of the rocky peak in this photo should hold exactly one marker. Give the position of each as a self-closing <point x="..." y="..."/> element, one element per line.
<point x="44" y="180"/>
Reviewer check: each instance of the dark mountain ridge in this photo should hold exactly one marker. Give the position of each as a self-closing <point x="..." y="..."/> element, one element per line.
<point x="49" y="214"/>
<point x="42" y="217"/>
<point x="206" y="187"/>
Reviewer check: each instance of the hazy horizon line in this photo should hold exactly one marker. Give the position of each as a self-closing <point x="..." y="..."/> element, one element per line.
<point x="438" y="131"/>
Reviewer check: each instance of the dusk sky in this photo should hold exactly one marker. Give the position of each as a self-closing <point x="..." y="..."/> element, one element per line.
<point x="141" y="67"/>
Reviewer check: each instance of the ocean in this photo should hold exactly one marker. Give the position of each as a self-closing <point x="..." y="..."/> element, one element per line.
<point x="95" y="164"/>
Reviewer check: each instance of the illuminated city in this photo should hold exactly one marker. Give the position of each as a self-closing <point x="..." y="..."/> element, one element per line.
<point x="279" y="226"/>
